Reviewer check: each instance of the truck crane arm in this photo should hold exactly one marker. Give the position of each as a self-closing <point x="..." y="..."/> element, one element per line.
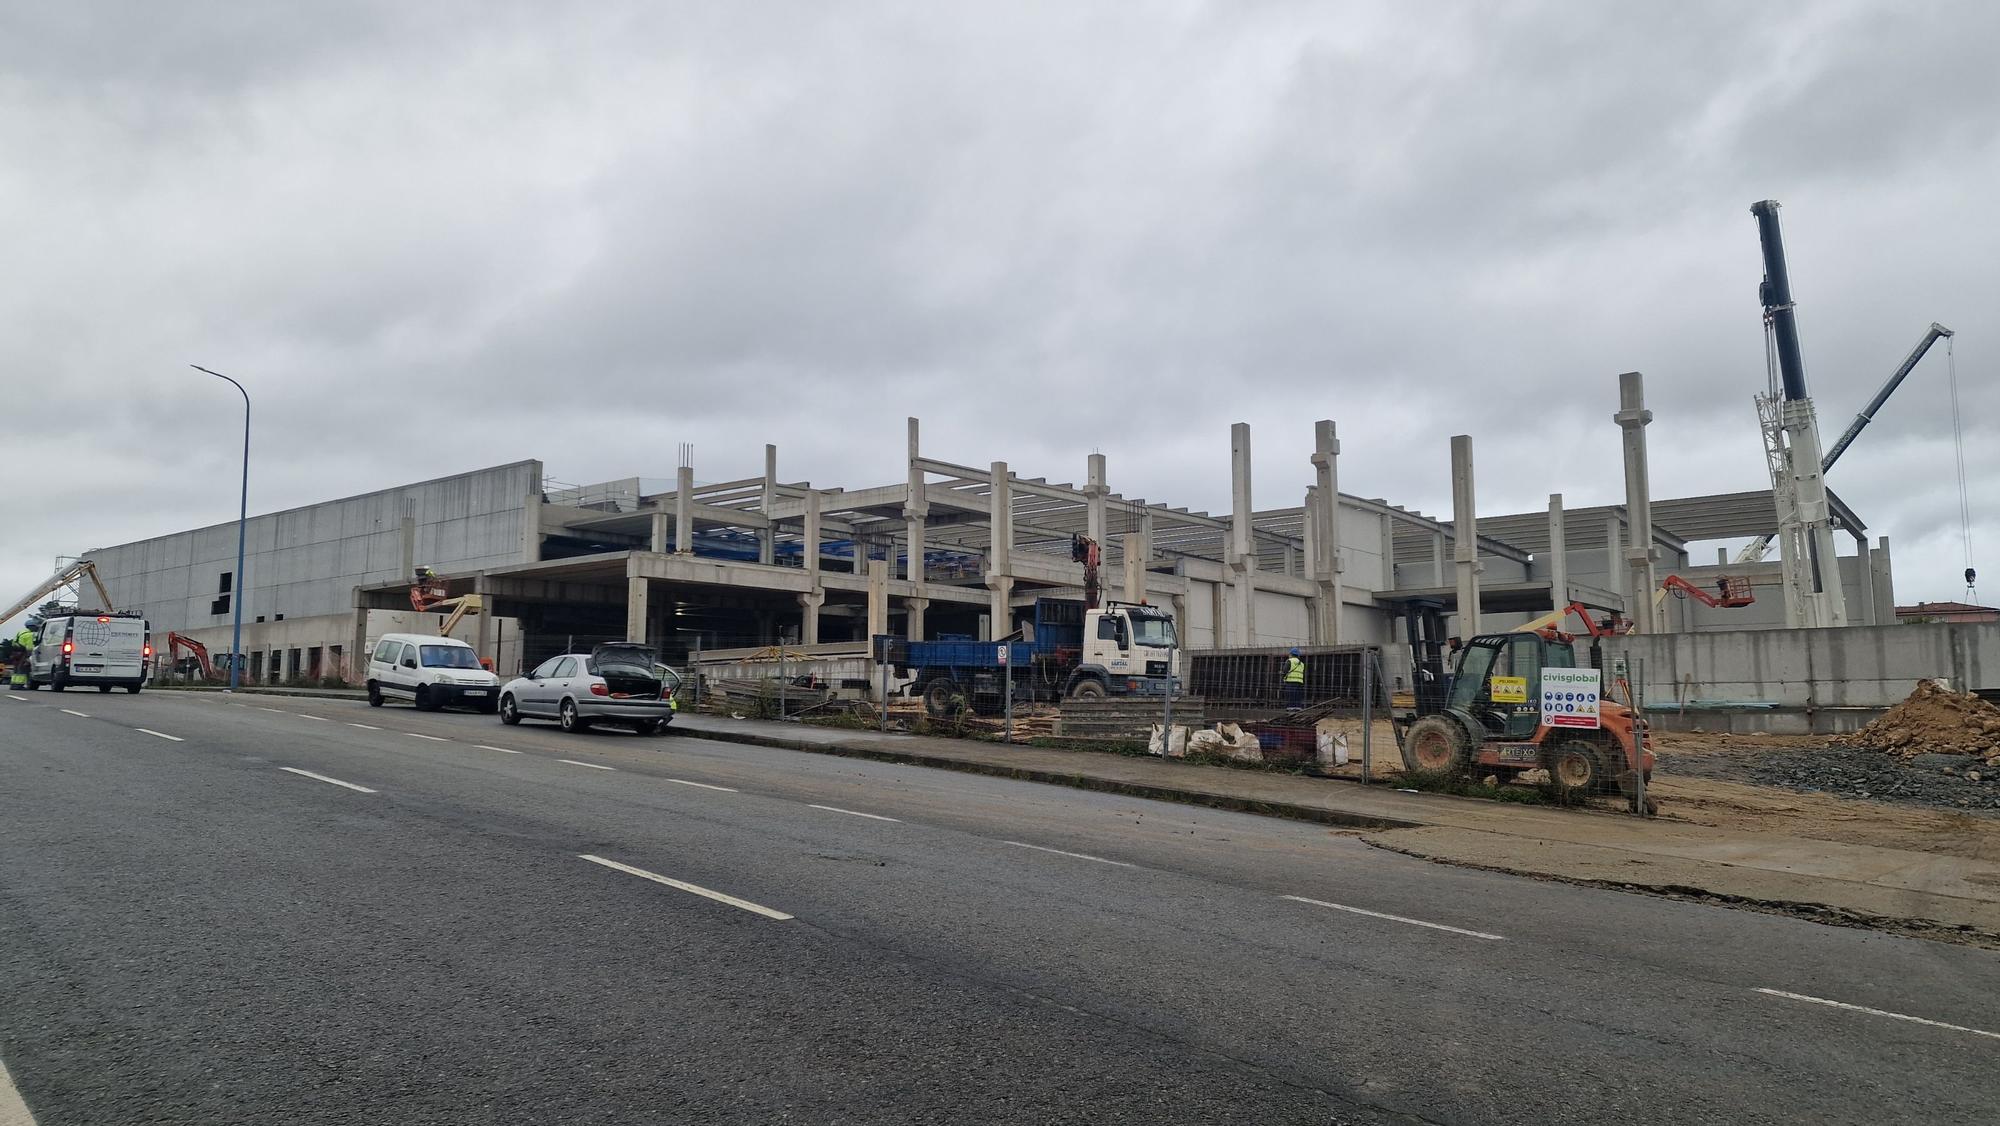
<point x="64" y="576"/>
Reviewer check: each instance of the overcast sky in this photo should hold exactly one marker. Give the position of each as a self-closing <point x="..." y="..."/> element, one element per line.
<point x="433" y="237"/>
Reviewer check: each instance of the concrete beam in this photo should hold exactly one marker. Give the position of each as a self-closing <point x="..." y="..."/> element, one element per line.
<point x="1465" y="534"/>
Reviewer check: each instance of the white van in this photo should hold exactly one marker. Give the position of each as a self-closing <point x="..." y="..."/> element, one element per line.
<point x="430" y="672"/>
<point x="102" y="651"/>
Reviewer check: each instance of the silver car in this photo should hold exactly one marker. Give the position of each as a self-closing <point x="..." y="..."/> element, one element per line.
<point x="614" y="684"/>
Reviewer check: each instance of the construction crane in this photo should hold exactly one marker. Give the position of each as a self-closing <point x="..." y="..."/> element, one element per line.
<point x="1754" y="551"/>
<point x="430" y="594"/>
<point x="70" y="574"/>
<point x="1813" y="595"/>
<point x="1084" y="550"/>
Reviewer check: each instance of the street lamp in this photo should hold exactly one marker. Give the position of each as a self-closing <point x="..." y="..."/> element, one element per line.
<point x="242" y="515"/>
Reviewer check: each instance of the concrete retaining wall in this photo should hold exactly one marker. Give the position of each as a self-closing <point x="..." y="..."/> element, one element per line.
<point x="1870" y="667"/>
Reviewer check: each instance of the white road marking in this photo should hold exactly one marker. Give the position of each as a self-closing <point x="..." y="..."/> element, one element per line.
<point x="432" y="738"/>
<point x="703" y="785"/>
<point x="1395" y="918"/>
<point x="364" y="727"/>
<point x="13" y="1111"/>
<point x="855" y="813"/>
<point x="324" y="778"/>
<point x="320" y="718"/>
<point x="79" y="715"/>
<point x="1078" y="855"/>
<point x="1878" y="1012"/>
<point x="17" y="699"/>
<point x="591" y="765"/>
<point x="262" y="708"/>
<point x="694" y="889"/>
<point x="502" y="750"/>
<point x="160" y="734"/>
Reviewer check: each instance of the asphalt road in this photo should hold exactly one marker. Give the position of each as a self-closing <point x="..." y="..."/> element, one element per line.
<point x="300" y="911"/>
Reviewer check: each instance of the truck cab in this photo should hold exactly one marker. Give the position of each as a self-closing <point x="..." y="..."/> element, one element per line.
<point x="1127" y="648"/>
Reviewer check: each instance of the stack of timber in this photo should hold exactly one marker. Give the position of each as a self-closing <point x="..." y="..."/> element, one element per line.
<point x="762" y="696"/>
<point x="1130" y="717"/>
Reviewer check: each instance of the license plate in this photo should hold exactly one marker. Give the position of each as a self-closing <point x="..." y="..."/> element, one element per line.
<point x="90" y="668"/>
<point x="475" y="692"/>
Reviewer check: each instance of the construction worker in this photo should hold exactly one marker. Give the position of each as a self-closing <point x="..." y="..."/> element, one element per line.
<point x="1294" y="683"/>
<point x="23" y="649"/>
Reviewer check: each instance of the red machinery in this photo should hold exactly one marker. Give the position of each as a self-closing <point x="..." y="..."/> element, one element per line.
<point x="1729" y="592"/>
<point x="195" y="649"/>
<point x="1084" y="550"/>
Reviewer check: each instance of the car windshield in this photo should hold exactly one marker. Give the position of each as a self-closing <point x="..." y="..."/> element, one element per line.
<point x="448" y="657"/>
<point x="1155" y="633"/>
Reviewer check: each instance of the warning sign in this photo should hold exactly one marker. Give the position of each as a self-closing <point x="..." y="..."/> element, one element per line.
<point x="1508" y="689"/>
<point x="1569" y="697"/>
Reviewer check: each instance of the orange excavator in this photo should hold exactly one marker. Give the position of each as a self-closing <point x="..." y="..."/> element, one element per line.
<point x="178" y="643"/>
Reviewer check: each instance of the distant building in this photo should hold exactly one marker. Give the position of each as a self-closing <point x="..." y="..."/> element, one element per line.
<point x="1947" y="612"/>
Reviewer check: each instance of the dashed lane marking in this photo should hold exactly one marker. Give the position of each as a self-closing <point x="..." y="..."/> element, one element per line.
<point x="591" y="765"/>
<point x="702" y="785"/>
<point x="1879" y="1013"/>
<point x="692" y="889"/>
<point x="502" y="750"/>
<point x="79" y="715"/>
<point x="1395" y="918"/>
<point x="13" y="1111"/>
<point x="1077" y="855"/>
<point x="320" y="718"/>
<point x="432" y="738"/>
<point x="364" y="727"/>
<point x="160" y="734"/>
<point x="855" y="813"/>
<point x="324" y="778"/>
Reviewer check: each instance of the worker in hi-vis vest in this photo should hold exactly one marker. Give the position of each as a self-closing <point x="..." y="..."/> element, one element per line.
<point x="1294" y="682"/>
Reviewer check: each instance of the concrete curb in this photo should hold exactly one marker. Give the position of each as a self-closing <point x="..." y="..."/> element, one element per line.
<point x="1079" y="781"/>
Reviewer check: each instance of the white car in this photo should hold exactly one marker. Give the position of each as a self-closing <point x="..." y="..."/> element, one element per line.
<point x="430" y="672"/>
<point x="618" y="683"/>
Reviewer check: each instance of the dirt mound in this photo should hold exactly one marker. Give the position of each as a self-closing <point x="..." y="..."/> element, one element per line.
<point x="1933" y="720"/>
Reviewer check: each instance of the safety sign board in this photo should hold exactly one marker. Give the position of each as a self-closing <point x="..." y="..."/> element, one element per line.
<point x="1569" y="697"/>
<point x="1508" y="689"/>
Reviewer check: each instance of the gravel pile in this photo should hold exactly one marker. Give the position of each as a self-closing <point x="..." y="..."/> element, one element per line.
<point x="1961" y="782"/>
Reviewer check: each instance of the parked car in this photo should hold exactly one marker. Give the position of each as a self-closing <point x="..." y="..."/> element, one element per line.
<point x="431" y="672"/>
<point x="618" y="683"/>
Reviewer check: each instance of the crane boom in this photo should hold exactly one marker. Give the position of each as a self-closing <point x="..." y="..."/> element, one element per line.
<point x="65" y="576"/>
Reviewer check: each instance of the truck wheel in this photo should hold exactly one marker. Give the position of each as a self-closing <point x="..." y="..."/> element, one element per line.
<point x="938" y="695"/>
<point x="1088" y="689"/>
<point x="1437" y="744"/>
<point x="1577" y="767"/>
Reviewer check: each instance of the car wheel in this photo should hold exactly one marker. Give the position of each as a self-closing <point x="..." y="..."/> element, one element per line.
<point x="510" y="713"/>
<point x="374" y="695"/>
<point x="104" y="688"/>
<point x="424" y="702"/>
<point x="568" y="718"/>
<point x="57" y="682"/>
<point x="134" y="688"/>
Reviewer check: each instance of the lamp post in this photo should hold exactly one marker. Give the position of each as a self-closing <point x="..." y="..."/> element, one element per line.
<point x="242" y="515"/>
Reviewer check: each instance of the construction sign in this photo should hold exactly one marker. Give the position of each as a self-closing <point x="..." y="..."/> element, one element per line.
<point x="1508" y="689"/>
<point x="1569" y="697"/>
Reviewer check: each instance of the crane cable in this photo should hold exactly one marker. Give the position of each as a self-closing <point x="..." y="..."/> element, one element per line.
<point x="1958" y="444"/>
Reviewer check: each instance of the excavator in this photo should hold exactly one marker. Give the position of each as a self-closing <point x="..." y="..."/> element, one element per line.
<point x="1491" y="719"/>
<point x="179" y="642"/>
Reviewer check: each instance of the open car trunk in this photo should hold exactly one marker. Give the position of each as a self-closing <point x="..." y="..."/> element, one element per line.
<point x="627" y="670"/>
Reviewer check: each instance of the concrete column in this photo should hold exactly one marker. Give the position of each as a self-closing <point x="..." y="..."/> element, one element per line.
<point x="1135" y="568"/>
<point x="1146" y="533"/>
<point x="1864" y="574"/>
<point x="1884" y="579"/>
<point x="878" y="597"/>
<point x="767" y="542"/>
<point x="531" y="528"/>
<point x="1614" y="560"/>
<point x="357" y="647"/>
<point x="637" y="591"/>
<point x="1721" y="560"/>
<point x="812" y="541"/>
<point x="1327" y="566"/>
<point x="1094" y="493"/>
<point x="1465" y="535"/>
<point x="1242" y="554"/>
<point x="409" y="529"/>
<point x="1000" y="555"/>
<point x="660" y="544"/>
<point x="1558" y="555"/>
<point x="1308" y="535"/>
<point x="809" y="607"/>
<point x="1437" y="559"/>
<point x="482" y="623"/>
<point x="684" y="511"/>
<point x="1633" y="417"/>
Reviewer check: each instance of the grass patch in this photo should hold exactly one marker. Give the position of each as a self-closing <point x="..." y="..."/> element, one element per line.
<point x="1464" y="786"/>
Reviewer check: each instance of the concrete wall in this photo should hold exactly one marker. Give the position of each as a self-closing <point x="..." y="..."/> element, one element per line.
<point x="304" y="563"/>
<point x="1857" y="667"/>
